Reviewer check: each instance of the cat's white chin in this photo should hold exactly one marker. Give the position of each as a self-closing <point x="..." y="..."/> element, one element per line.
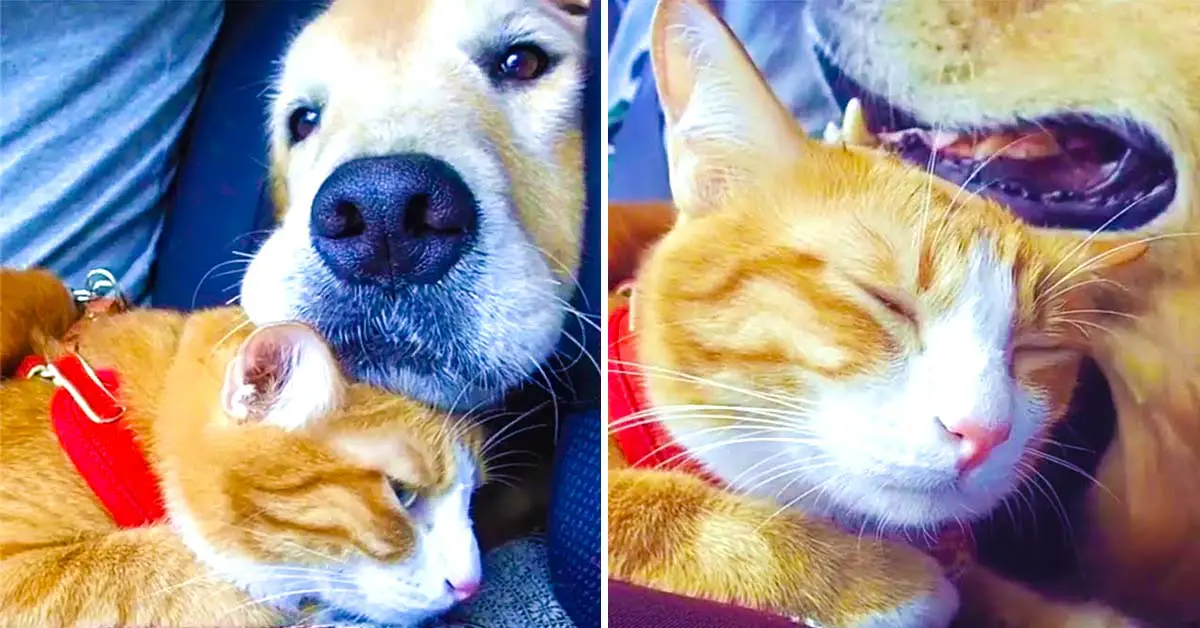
<point x="913" y="508"/>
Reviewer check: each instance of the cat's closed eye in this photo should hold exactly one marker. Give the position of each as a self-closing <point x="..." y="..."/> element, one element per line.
<point x="407" y="496"/>
<point x="895" y="303"/>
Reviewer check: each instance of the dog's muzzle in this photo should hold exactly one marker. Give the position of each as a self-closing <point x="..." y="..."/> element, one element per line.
<point x="394" y="220"/>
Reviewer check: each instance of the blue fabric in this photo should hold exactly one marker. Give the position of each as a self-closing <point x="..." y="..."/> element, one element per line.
<point x="221" y="202"/>
<point x="94" y="97"/>
<point x="574" y="527"/>
<point x="574" y="532"/>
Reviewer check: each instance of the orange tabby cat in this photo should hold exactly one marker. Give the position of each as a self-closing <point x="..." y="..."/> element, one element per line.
<point x="848" y="349"/>
<point x="283" y="483"/>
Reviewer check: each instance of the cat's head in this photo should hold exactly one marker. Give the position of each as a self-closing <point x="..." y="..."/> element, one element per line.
<point x="302" y="487"/>
<point x="833" y="328"/>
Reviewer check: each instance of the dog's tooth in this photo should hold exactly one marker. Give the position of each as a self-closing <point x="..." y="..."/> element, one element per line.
<point x="832" y="135"/>
<point x="854" y="125"/>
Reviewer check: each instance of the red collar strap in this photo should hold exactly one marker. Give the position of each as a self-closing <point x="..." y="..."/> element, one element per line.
<point x="645" y="443"/>
<point x="86" y="413"/>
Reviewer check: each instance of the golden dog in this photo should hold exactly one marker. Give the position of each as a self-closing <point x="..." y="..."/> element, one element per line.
<point x="427" y="169"/>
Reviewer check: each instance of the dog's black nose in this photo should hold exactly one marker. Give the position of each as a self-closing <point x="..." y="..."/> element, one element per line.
<point x="394" y="219"/>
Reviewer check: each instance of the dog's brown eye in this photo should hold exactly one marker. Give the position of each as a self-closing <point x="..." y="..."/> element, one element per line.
<point x="523" y="62"/>
<point x="302" y="123"/>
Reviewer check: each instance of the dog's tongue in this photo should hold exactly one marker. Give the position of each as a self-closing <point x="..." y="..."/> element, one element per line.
<point x="1035" y="144"/>
<point x="1042" y="161"/>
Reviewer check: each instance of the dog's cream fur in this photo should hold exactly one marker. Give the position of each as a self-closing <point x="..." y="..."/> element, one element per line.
<point x="962" y="63"/>
<point x="403" y="76"/>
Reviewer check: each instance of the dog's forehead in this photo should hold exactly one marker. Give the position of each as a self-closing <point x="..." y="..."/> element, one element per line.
<point x="419" y="31"/>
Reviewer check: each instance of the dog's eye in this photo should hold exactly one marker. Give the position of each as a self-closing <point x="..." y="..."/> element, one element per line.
<point x="522" y="62"/>
<point x="302" y="123"/>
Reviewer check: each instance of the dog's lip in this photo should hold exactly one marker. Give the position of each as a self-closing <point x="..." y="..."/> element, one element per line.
<point x="1069" y="171"/>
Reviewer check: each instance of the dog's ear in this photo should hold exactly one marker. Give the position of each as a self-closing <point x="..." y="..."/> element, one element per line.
<point x="725" y="127"/>
<point x="572" y="13"/>
<point x="284" y="375"/>
<point x="576" y="8"/>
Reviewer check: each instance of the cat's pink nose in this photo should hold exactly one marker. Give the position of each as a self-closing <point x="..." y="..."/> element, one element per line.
<point x="463" y="591"/>
<point x="976" y="440"/>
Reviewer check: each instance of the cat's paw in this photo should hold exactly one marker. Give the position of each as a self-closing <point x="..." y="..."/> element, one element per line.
<point x="935" y="609"/>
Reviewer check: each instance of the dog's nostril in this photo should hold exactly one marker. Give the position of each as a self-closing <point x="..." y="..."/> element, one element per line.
<point x="417" y="217"/>
<point x="345" y="221"/>
<point x="424" y="216"/>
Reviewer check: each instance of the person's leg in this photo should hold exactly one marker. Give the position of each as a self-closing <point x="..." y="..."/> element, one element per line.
<point x="95" y="97"/>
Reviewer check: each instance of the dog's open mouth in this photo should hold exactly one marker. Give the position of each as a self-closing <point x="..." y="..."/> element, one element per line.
<point x="1067" y="171"/>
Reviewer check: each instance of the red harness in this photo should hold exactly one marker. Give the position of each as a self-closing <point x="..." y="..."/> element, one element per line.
<point x="645" y="443"/>
<point x="86" y="412"/>
<point x="639" y="435"/>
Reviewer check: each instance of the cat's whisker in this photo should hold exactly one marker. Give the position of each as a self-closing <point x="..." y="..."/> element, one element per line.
<point x="498" y="436"/>
<point x="236" y="328"/>
<point x="1037" y="480"/>
<point x="582" y="350"/>
<point x="566" y="306"/>
<point x="1050" y="441"/>
<point x="504" y="454"/>
<point x="550" y="391"/>
<point x="1071" y="467"/>
<point x="1087" y="264"/>
<point x="747" y="423"/>
<point x="512" y="465"/>
<point x="488" y="447"/>
<point x="208" y="275"/>
<point x="737" y="479"/>
<point x="503" y="479"/>
<point x="284" y="595"/>
<point x="1091" y="236"/>
<point x="791" y="420"/>
<point x="792" y="502"/>
<point x="795" y="470"/>
<point x="270" y="537"/>
<point x="1127" y="315"/>
<point x="735" y="441"/>
<point x="1085" y="323"/>
<point x="1050" y="296"/>
<point x="459" y="419"/>
<point x="566" y="271"/>
<point x="1082" y="330"/>
<point x="667" y="409"/>
<point x="928" y="204"/>
<point x="274" y="576"/>
<point x="488" y="416"/>
<point x="643" y="369"/>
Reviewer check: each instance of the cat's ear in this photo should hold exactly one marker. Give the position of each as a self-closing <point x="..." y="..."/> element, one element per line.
<point x="284" y="375"/>
<point x="724" y="126"/>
